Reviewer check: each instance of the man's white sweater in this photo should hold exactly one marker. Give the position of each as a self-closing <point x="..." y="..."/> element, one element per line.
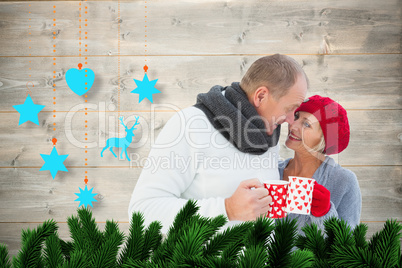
<point x="192" y="160"/>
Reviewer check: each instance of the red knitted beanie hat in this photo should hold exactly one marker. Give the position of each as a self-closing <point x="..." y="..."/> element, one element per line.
<point x="333" y="121"/>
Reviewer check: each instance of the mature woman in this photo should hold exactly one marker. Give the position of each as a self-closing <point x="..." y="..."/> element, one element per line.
<point x="321" y="128"/>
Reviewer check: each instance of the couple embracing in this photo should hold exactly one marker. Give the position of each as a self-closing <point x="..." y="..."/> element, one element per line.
<point x="243" y="121"/>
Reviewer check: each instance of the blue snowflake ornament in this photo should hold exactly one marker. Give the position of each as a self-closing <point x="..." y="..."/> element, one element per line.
<point x="86" y="197"/>
<point x="54" y="162"/>
<point x="145" y="88"/>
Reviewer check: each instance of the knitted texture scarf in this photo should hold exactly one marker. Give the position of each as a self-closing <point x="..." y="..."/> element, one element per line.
<point x="236" y="119"/>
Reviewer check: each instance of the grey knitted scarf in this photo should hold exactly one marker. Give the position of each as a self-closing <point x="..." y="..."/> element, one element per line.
<point x="236" y="119"/>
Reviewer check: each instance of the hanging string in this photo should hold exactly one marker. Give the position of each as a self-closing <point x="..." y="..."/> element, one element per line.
<point x="54" y="71"/>
<point x="146" y="35"/>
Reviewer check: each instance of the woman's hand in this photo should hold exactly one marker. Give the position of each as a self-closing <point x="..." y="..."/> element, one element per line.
<point x="248" y="202"/>
<point x="321" y="202"/>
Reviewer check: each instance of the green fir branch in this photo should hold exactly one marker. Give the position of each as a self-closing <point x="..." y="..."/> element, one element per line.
<point x="233" y="252"/>
<point x="314" y="241"/>
<point x="330" y="235"/>
<point x="260" y="232"/>
<point x="106" y="255"/>
<point x="359" y="235"/>
<point x="221" y="241"/>
<point x="152" y="240"/>
<point x="66" y="248"/>
<point x="30" y="253"/>
<point x="342" y="232"/>
<point x="53" y="256"/>
<point x="190" y="242"/>
<point x="385" y="244"/>
<point x="254" y="256"/>
<point x="130" y="263"/>
<point x="196" y="261"/>
<point x="282" y="242"/>
<point x="75" y="228"/>
<point x="77" y="260"/>
<point x="353" y="257"/>
<point x="135" y="241"/>
<point x="4" y="258"/>
<point x="400" y="260"/>
<point x="186" y="212"/>
<point x="93" y="237"/>
<point x="25" y="234"/>
<point x="111" y="227"/>
<point x="301" y="259"/>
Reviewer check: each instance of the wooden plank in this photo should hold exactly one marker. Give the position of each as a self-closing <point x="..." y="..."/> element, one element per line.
<point x="379" y="128"/>
<point x="351" y="80"/>
<point x="28" y="194"/>
<point x="213" y="27"/>
<point x="381" y="192"/>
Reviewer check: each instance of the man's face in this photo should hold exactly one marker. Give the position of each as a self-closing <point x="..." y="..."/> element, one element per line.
<point x="275" y="112"/>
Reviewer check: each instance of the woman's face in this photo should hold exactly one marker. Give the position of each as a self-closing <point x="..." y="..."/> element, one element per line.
<point x="304" y="133"/>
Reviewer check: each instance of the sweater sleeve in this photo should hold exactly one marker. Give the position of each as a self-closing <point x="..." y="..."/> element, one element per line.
<point x="348" y="196"/>
<point x="164" y="178"/>
<point x="350" y="204"/>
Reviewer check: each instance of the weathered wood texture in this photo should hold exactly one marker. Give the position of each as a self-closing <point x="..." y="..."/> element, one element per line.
<point x="379" y="128"/>
<point x="30" y="195"/>
<point x="351" y="51"/>
<point x="351" y="80"/>
<point x="207" y="27"/>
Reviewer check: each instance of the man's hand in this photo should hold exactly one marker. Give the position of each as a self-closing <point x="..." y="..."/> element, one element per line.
<point x="248" y="202"/>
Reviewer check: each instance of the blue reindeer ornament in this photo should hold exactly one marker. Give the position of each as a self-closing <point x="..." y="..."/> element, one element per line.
<point x="122" y="143"/>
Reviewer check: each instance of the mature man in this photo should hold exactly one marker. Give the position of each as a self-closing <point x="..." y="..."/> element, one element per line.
<point x="218" y="151"/>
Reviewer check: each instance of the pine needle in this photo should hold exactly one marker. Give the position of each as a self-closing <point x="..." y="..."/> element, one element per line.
<point x="254" y="256"/>
<point x="282" y="242"/>
<point x="188" y="211"/>
<point x="66" y="248"/>
<point x="187" y="214"/>
<point x="135" y="242"/>
<point x="106" y="255"/>
<point x="260" y="232"/>
<point x="152" y="240"/>
<point x="190" y="243"/>
<point x="130" y="263"/>
<point x="53" y="256"/>
<point x="93" y="237"/>
<point x="4" y="258"/>
<point x="302" y="259"/>
<point x="77" y="260"/>
<point x="221" y="241"/>
<point x="314" y="241"/>
<point x="342" y="232"/>
<point x="75" y="226"/>
<point x="30" y="253"/>
<point x="359" y="234"/>
<point x="351" y="256"/>
<point x="386" y="243"/>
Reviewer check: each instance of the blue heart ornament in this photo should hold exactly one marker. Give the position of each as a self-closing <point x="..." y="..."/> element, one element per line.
<point x="80" y="81"/>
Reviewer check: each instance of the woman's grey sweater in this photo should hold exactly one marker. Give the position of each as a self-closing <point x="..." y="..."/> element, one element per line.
<point x="346" y="200"/>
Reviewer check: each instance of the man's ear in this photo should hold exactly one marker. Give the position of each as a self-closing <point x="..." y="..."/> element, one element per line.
<point x="261" y="94"/>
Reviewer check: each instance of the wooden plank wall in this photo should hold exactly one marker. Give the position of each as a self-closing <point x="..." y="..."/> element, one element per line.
<point x="351" y="51"/>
